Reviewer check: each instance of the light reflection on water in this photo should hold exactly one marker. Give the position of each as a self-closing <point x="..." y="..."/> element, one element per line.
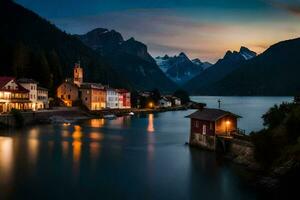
<point x="128" y="158"/>
<point x="6" y="159"/>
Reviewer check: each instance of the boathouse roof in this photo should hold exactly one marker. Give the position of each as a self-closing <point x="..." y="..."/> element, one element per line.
<point x="211" y="114"/>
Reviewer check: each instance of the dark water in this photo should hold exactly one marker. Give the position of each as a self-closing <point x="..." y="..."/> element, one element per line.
<point x="250" y="108"/>
<point x="128" y="158"/>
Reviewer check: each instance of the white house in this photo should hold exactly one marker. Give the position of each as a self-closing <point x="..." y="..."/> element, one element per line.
<point x="42" y="97"/>
<point x="176" y="101"/>
<point x="112" y="98"/>
<point x="165" y="103"/>
<point x="31" y="86"/>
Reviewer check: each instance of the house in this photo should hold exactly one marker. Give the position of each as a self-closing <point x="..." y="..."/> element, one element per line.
<point x="31" y="86"/>
<point x="176" y="101"/>
<point x="112" y="98"/>
<point x="124" y="98"/>
<point x="68" y="92"/>
<point x="297" y="99"/>
<point x="93" y="96"/>
<point x="13" y="95"/>
<point x="207" y="124"/>
<point x="42" y="98"/>
<point x="165" y="102"/>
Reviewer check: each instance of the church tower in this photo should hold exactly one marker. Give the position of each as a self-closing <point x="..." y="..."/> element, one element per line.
<point x="78" y="74"/>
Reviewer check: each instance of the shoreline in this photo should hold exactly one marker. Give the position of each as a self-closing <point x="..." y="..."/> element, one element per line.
<point x="61" y="114"/>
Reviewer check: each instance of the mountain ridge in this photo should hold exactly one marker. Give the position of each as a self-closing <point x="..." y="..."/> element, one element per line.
<point x="231" y="61"/>
<point x="129" y="57"/>
<point x="180" y="68"/>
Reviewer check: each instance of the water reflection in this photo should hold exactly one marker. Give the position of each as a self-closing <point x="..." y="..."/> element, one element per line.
<point x="150" y="123"/>
<point x="33" y="145"/>
<point x="77" y="134"/>
<point x="97" y="123"/>
<point x="6" y="159"/>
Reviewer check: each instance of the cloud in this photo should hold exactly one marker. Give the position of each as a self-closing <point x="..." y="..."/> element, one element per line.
<point x="290" y="6"/>
<point x="206" y="36"/>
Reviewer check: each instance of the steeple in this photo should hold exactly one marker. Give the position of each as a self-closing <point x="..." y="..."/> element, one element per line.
<point x="78" y="74"/>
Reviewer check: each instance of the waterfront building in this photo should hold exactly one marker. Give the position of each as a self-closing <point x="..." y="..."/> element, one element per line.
<point x="112" y="98"/>
<point x="124" y="98"/>
<point x="42" y="98"/>
<point x="37" y="95"/>
<point x="208" y="124"/>
<point x="68" y="92"/>
<point x="13" y="95"/>
<point x="93" y="96"/>
<point x="176" y="101"/>
<point x="164" y="102"/>
<point x="31" y="86"/>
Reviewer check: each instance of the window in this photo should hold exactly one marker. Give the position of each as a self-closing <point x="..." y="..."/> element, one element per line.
<point x="85" y="98"/>
<point x="211" y="126"/>
<point x="204" y="130"/>
<point x="196" y="124"/>
<point x="69" y="97"/>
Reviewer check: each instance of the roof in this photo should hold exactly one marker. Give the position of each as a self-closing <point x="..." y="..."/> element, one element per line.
<point x="4" y="80"/>
<point x="42" y="88"/>
<point x="91" y="86"/>
<point x="27" y="80"/>
<point x="211" y="114"/>
<point x="165" y="99"/>
<point x="122" y="90"/>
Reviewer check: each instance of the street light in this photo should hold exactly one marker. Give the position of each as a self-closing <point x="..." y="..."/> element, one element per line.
<point x="150" y="105"/>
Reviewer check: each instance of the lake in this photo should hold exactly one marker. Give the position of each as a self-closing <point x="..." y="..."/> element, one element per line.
<point x="140" y="157"/>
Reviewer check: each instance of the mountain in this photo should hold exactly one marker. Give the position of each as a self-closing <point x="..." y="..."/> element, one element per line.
<point x="274" y="72"/>
<point x="247" y="53"/>
<point x="204" y="65"/>
<point x="102" y="40"/>
<point x="230" y="62"/>
<point x="129" y="58"/>
<point x="32" y="47"/>
<point x="180" y="69"/>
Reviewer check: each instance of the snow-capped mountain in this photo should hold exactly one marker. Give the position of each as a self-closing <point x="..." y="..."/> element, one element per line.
<point x="231" y="61"/>
<point x="204" y="65"/>
<point x="180" y="68"/>
<point x="247" y="53"/>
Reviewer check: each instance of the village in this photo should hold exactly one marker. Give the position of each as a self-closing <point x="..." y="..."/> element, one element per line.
<point x="25" y="94"/>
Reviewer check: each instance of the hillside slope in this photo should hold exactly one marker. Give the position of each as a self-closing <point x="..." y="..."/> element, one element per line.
<point x="274" y="72"/>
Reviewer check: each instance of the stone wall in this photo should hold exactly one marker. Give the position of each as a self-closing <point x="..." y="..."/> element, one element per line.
<point x="40" y="116"/>
<point x="242" y="152"/>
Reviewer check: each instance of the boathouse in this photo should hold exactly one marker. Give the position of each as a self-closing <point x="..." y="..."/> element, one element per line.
<point x="208" y="124"/>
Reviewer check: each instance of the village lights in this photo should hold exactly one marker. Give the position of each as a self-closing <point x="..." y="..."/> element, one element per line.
<point x="227" y="124"/>
<point x="151" y="105"/>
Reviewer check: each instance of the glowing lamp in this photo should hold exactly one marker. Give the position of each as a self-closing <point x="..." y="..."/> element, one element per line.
<point x="150" y="104"/>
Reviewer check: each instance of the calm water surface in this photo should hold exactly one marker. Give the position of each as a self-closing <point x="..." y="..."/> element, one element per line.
<point x="141" y="157"/>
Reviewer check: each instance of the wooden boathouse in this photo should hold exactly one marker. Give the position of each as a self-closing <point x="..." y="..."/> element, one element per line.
<point x="210" y="126"/>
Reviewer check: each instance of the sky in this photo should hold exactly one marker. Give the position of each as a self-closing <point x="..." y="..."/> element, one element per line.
<point x="203" y="29"/>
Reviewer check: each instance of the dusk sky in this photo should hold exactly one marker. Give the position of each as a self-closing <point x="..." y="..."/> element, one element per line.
<point x="201" y="28"/>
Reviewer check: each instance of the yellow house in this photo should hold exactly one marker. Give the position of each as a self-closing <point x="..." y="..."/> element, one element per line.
<point x="93" y="96"/>
<point x="68" y="92"/>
